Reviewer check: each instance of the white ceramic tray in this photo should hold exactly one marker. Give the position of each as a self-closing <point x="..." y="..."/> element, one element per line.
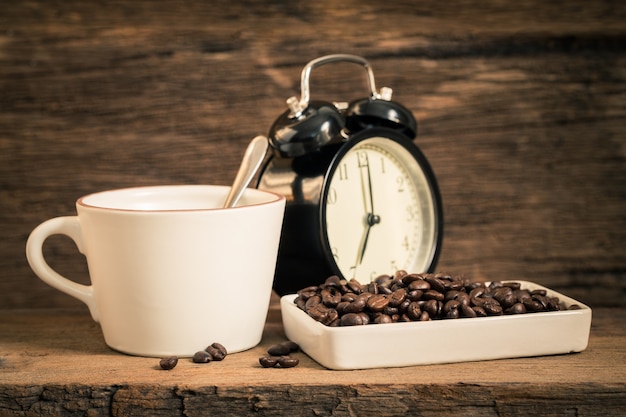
<point x="440" y="341"/>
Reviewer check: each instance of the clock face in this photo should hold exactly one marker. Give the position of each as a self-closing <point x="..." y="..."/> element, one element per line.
<point x="380" y="209"/>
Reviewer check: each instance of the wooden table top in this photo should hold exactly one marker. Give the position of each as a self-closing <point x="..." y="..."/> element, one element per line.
<point x="56" y="362"/>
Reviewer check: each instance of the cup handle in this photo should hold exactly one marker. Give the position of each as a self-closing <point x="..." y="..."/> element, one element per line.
<point x="69" y="226"/>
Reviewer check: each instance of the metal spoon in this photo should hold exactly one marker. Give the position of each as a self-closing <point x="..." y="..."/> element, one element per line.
<point x="252" y="158"/>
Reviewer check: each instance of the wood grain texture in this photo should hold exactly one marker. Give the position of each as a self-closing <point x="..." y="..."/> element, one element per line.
<point x="55" y="362"/>
<point x="521" y="109"/>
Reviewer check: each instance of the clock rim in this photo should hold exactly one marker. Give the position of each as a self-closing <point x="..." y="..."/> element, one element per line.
<point x="423" y="164"/>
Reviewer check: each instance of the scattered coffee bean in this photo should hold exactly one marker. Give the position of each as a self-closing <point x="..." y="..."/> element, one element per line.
<point x="278" y="350"/>
<point x="293" y="346"/>
<point x="220" y="347"/>
<point x="288" y="361"/>
<point x="168" y="363"/>
<point x="268" y="361"/>
<point x="217" y="351"/>
<point x="418" y="297"/>
<point x="202" y="356"/>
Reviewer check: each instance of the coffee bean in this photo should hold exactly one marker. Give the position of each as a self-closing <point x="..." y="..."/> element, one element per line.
<point x="283" y="348"/>
<point x="333" y="281"/>
<point x="217" y="353"/>
<point x="384" y="290"/>
<point x="480" y="312"/>
<point x="221" y="348"/>
<point x="318" y="311"/>
<point x="467" y="311"/>
<point x="553" y="304"/>
<point x="312" y="302"/>
<point x="351" y="319"/>
<point x="390" y="311"/>
<point x="492" y="307"/>
<point x="521" y="295"/>
<point x="355" y="286"/>
<point x="414" y="311"/>
<point x="332" y="315"/>
<point x="419" y="284"/>
<point x="377" y="303"/>
<point x="410" y="278"/>
<point x="330" y="297"/>
<point x="397" y="297"/>
<point x="372" y="288"/>
<point x="299" y="301"/>
<point x="202" y="356"/>
<point x="288" y="362"/>
<point x="435" y="284"/>
<point x="415" y="295"/>
<point x="278" y="350"/>
<point x="517" y="308"/>
<point x="382" y="318"/>
<point x="268" y="361"/>
<point x="356" y="306"/>
<point x="433" y="295"/>
<point x="383" y="280"/>
<point x="349" y="297"/>
<point x="168" y="363"/>
<point x="451" y="309"/>
<point x="431" y="308"/>
<point x="477" y="292"/>
<point x="532" y="305"/>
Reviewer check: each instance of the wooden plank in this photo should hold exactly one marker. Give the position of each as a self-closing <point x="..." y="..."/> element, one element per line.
<point x="520" y="110"/>
<point x="56" y="362"/>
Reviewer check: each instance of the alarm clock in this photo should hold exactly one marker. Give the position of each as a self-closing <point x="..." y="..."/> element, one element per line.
<point x="362" y="199"/>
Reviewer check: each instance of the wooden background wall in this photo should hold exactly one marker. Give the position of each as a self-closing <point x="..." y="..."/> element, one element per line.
<point x="521" y="108"/>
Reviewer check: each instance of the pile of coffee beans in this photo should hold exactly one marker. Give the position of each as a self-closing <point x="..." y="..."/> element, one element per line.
<point x="279" y="355"/>
<point x="406" y="297"/>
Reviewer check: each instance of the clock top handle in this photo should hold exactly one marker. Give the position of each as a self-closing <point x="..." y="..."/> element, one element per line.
<point x="297" y="106"/>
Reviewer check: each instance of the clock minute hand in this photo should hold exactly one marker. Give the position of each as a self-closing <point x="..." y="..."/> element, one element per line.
<point x="369" y="186"/>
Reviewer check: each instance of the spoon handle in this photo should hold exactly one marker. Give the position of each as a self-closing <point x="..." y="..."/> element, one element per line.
<point x="252" y="159"/>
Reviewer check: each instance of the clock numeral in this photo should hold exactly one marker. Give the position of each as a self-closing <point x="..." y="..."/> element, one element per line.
<point x="362" y="158"/>
<point x="382" y="166"/>
<point x="400" y="184"/>
<point x="335" y="253"/>
<point x="343" y="171"/>
<point x="332" y="196"/>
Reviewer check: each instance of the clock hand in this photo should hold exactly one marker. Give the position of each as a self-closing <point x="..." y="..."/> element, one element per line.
<point x="371" y="195"/>
<point x="371" y="218"/>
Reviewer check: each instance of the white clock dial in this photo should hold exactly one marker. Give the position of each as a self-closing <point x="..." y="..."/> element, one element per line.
<point x="379" y="211"/>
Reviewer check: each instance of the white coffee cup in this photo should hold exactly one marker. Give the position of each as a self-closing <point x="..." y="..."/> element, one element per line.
<point x="171" y="271"/>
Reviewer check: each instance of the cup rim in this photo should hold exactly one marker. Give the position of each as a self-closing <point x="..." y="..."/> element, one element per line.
<point x="82" y="201"/>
